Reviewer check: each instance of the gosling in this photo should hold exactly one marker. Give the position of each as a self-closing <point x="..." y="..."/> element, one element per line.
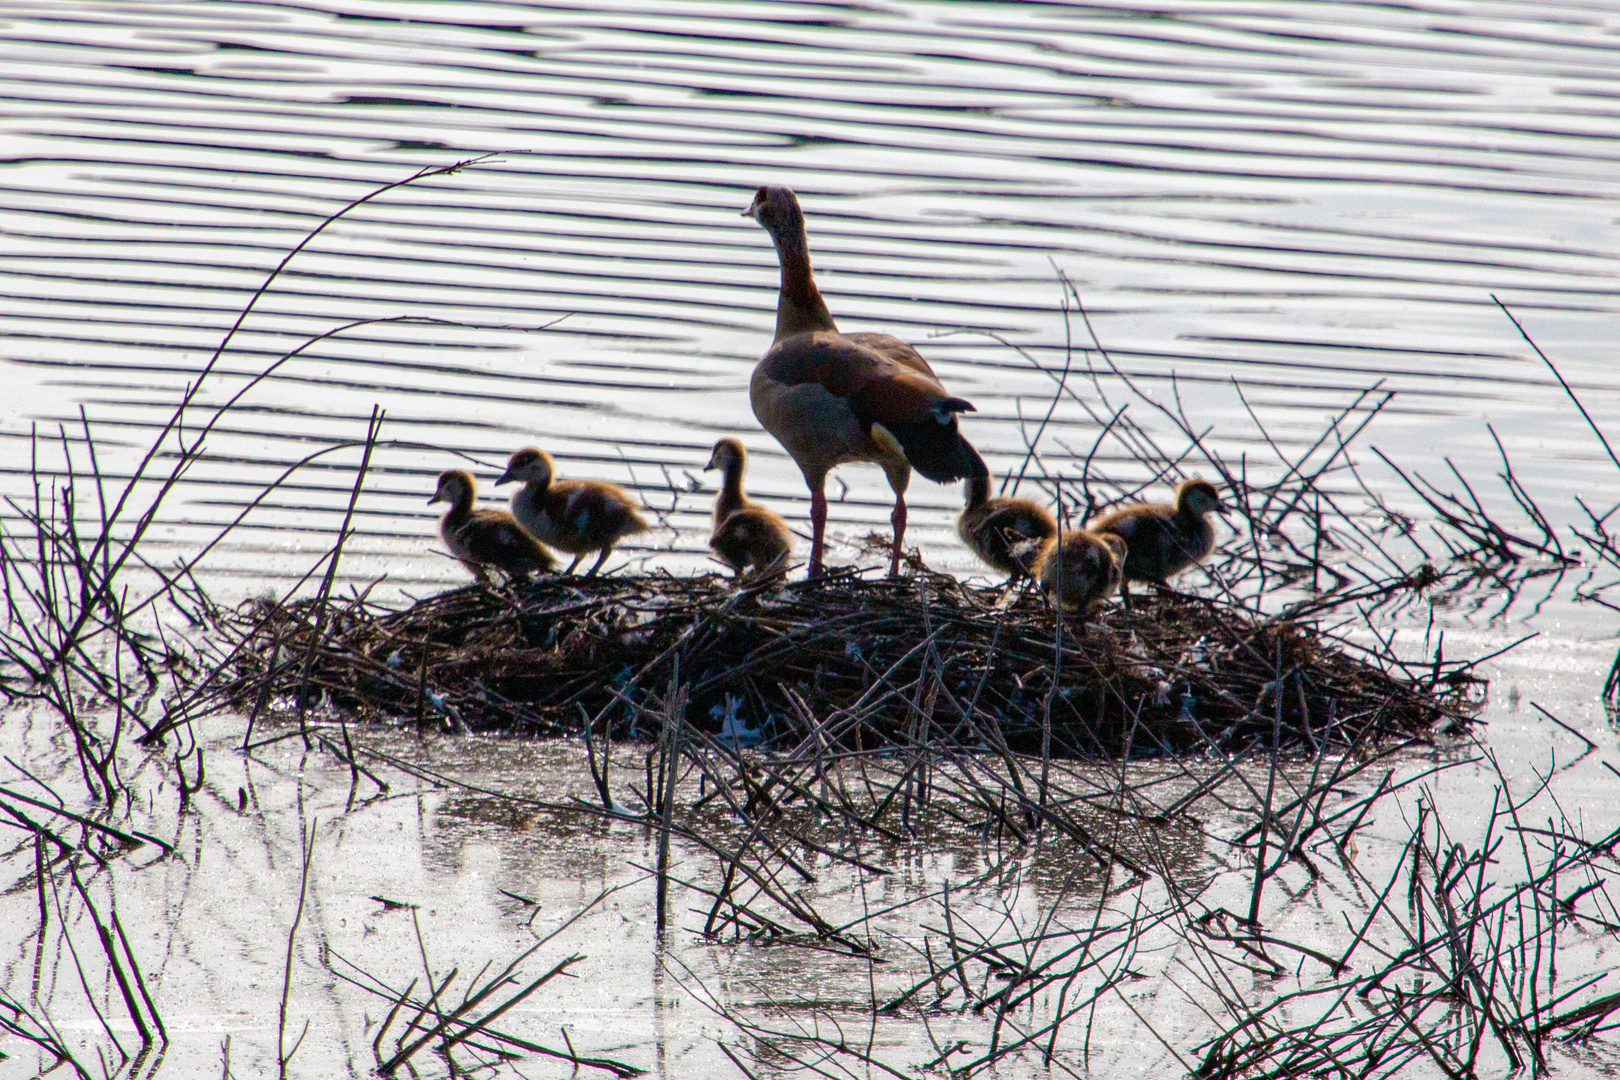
<point x="576" y="516"/>
<point x="746" y="535"/>
<point x="485" y="538"/>
<point x="1081" y="569"/>
<point x="1162" y="540"/>
<point x="1005" y="533"/>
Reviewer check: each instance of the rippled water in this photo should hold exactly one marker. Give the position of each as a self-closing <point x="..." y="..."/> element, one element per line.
<point x="1310" y="198"/>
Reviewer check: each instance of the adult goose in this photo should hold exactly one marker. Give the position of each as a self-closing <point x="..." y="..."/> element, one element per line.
<point x="831" y="398"/>
<point x="1004" y="532"/>
<point x="746" y="534"/>
<point x="484" y="538"/>
<point x="576" y="516"/>
<point x="1162" y="540"/>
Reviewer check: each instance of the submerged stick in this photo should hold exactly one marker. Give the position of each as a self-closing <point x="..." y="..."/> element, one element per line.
<point x="306" y="849"/>
<point x="670" y="750"/>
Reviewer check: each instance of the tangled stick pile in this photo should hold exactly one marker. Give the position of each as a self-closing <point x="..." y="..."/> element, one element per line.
<point x="924" y="658"/>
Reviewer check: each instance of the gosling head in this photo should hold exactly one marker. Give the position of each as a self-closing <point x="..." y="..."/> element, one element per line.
<point x="531" y="465"/>
<point x="1115" y="570"/>
<point x="1199" y="497"/>
<point x="456" y="486"/>
<point x="1093" y="563"/>
<point x="728" y="454"/>
<point x="777" y="209"/>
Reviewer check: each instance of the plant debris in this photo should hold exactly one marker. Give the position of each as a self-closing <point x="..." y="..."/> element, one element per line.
<point x="923" y="657"/>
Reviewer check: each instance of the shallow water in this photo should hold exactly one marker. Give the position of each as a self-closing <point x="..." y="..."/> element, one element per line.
<point x="476" y="842"/>
<point x="1308" y="198"/>
<point x="1311" y="199"/>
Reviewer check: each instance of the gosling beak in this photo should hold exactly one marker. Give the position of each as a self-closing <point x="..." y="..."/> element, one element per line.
<point x="438" y="496"/>
<point x="506" y="478"/>
<point x="750" y="211"/>
<point x="711" y="466"/>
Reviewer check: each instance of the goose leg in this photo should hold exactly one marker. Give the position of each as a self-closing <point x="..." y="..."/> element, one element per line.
<point x="573" y="564"/>
<point x="818" y="524"/>
<point x="899" y="476"/>
<point x="898" y="520"/>
<point x="600" y="559"/>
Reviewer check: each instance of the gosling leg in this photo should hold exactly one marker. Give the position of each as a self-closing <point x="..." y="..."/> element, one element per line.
<point x="576" y="562"/>
<point x="600" y="559"/>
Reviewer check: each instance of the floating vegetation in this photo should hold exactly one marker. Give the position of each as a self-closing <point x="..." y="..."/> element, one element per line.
<point x="921" y="658"/>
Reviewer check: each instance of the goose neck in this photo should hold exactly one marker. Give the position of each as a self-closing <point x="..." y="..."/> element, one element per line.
<point x="799" y="306"/>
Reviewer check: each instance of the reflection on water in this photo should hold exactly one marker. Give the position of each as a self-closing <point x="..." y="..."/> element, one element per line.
<point x="480" y="854"/>
<point x="482" y="877"/>
<point x="1305" y="197"/>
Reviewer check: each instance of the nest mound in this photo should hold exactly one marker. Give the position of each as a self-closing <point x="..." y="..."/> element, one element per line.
<point x="923" y="658"/>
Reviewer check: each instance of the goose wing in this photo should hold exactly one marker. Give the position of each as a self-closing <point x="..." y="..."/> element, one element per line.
<point x="908" y="404"/>
<point x="891" y="347"/>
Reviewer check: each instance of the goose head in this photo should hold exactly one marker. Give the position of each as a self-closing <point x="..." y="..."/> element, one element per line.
<point x="777" y="211"/>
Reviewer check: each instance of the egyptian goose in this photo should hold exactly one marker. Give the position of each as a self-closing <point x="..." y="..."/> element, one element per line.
<point x="746" y="535"/>
<point x="576" y="516"/>
<point x="1161" y="540"/>
<point x="1004" y="532"/>
<point x="485" y="538"/>
<point x="831" y="398"/>
<point x="1080" y="569"/>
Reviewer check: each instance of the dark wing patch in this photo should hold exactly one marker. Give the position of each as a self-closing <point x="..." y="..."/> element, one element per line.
<point x="938" y="451"/>
<point x="901" y="397"/>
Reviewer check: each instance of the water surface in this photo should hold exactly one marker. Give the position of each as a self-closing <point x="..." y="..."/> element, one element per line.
<point x="1301" y="200"/>
<point x="1311" y="199"/>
